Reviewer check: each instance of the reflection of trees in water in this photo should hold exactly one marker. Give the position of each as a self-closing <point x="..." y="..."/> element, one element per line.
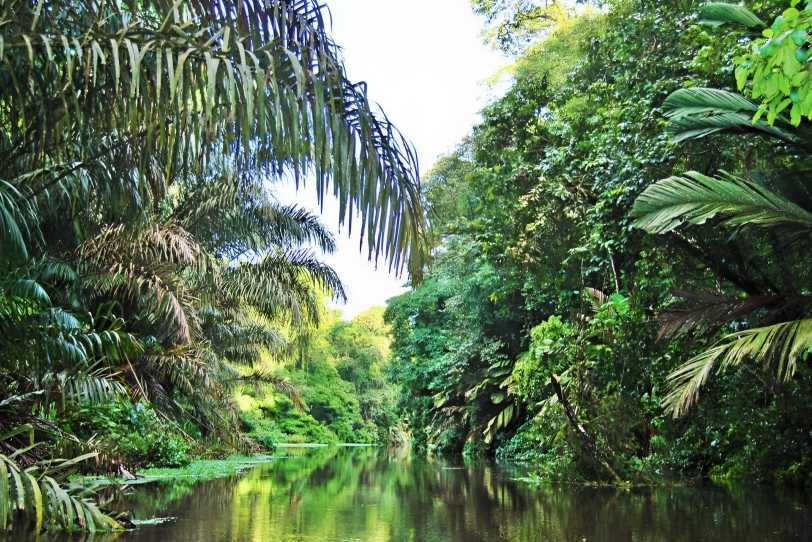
<point x="421" y="500"/>
<point x="333" y="493"/>
<point x="158" y="499"/>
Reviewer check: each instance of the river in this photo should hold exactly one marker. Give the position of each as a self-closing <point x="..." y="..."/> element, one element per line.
<point x="375" y="495"/>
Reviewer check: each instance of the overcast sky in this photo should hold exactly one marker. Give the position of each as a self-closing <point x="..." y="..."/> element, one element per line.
<point x="424" y="63"/>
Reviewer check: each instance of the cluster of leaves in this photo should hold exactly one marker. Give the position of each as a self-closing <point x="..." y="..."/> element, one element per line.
<point x="533" y="224"/>
<point x="777" y="66"/>
<point x="514" y="24"/>
<point x="41" y="493"/>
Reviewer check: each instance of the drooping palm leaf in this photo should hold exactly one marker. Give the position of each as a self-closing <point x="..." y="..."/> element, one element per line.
<point x="239" y="219"/>
<point x="710" y="310"/>
<point x="277" y="382"/>
<point x="780" y="344"/>
<point x="12" y="224"/>
<point x="141" y="264"/>
<point x="47" y="503"/>
<point x="281" y="282"/>
<point x="153" y="92"/>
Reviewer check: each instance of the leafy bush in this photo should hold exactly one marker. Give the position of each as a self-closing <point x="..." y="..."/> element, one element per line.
<point x="258" y="428"/>
<point x="526" y="444"/>
<point x="451" y="442"/>
<point x="134" y="432"/>
<point x="475" y="448"/>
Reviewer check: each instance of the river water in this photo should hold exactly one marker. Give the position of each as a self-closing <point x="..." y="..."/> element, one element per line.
<point x="372" y="495"/>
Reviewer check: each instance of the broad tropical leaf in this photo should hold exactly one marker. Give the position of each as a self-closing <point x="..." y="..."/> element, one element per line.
<point x="501" y="421"/>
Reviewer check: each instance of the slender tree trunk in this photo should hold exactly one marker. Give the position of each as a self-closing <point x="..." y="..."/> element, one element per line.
<point x="582" y="433"/>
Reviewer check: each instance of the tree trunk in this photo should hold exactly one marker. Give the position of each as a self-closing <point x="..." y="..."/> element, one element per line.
<point x="585" y="437"/>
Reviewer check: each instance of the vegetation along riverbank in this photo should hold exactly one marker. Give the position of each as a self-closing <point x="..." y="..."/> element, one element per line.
<point x="610" y="274"/>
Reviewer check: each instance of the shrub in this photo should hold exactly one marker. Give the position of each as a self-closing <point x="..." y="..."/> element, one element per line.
<point x="134" y="432"/>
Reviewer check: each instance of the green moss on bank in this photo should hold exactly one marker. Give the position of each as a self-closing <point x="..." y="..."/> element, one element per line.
<point x="207" y="469"/>
<point x="201" y="469"/>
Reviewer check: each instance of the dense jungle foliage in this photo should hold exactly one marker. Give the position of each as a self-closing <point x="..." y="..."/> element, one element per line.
<point x="619" y="287"/>
<point x="341" y="376"/>
<point x="616" y="287"/>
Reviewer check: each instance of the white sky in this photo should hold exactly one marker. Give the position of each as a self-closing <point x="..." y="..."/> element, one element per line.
<point x="424" y="63"/>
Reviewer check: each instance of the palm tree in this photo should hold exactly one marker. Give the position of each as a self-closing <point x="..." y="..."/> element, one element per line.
<point x="126" y="99"/>
<point x="141" y="254"/>
<point x="732" y="202"/>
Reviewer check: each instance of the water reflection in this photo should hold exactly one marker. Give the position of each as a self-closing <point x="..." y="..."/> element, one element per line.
<point x="364" y="494"/>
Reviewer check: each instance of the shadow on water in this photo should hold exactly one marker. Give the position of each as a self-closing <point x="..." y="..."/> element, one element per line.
<point x="368" y="494"/>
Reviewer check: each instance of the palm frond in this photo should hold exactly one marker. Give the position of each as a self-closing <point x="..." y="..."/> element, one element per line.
<point x="51" y="270"/>
<point x="26" y="289"/>
<point x="235" y="219"/>
<point x="779" y="344"/>
<point x="12" y="223"/>
<point x="87" y="387"/>
<point x="47" y="503"/>
<point x="294" y="225"/>
<point x="142" y="265"/>
<point x="244" y="343"/>
<point x="695" y="198"/>
<point x="719" y="13"/>
<point x="277" y="382"/>
<point x="694" y="113"/>
<point x="710" y="310"/>
<point x="185" y="368"/>
<point x="282" y="282"/>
